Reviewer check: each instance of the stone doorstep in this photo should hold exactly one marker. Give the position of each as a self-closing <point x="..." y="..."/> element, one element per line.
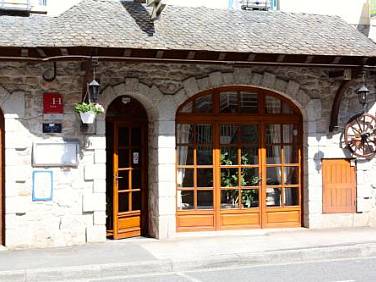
<point x="115" y="270"/>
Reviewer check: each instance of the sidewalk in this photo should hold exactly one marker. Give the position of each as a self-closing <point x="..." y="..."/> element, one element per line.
<point x="186" y="252"/>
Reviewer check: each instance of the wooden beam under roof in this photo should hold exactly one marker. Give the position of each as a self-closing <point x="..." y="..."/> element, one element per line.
<point x="64" y="51"/>
<point x="127" y="53"/>
<point x="222" y="56"/>
<point x="309" y="59"/>
<point x="191" y="55"/>
<point x="159" y="54"/>
<point x="41" y="52"/>
<point x="24" y="52"/>
<point x="281" y="58"/>
<point x="251" y="57"/>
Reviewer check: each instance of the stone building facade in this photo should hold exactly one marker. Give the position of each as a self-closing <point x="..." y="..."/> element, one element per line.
<point x="77" y="213"/>
<point x="181" y="94"/>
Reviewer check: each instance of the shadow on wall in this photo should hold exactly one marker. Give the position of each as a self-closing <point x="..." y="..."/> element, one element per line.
<point x="141" y="17"/>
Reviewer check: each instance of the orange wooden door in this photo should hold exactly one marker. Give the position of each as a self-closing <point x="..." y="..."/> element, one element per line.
<point x="129" y="172"/>
<point x="339" y="186"/>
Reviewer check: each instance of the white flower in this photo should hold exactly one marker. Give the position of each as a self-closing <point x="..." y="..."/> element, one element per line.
<point x="99" y="108"/>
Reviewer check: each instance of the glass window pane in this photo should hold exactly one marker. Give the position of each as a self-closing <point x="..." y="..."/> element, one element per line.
<point x="185" y="155"/>
<point x="286" y="109"/>
<point x="249" y="134"/>
<point x="273" y="134"/>
<point x="136" y="201"/>
<point x="123" y="180"/>
<point x="290" y="175"/>
<point x="288" y="133"/>
<point x="250" y="198"/>
<point x="136" y="136"/>
<point x="290" y="154"/>
<point x="291" y="196"/>
<point x="273" y="105"/>
<point x="123" y="157"/>
<point x="250" y="155"/>
<point x="273" y="197"/>
<point x="205" y="177"/>
<point x="273" y="155"/>
<point x="123" y="139"/>
<point x="185" y="200"/>
<point x="228" y="102"/>
<point x="185" y="177"/>
<point x="204" y="155"/>
<point x="204" y="104"/>
<point x="273" y="176"/>
<point x="136" y="179"/>
<point x="124" y="202"/>
<point x="229" y="134"/>
<point x="187" y="108"/>
<point x="229" y="156"/>
<point x="249" y="177"/>
<point x="248" y="102"/>
<point x="229" y="177"/>
<point x="204" y="134"/>
<point x="229" y="199"/>
<point x="204" y="199"/>
<point x="184" y="133"/>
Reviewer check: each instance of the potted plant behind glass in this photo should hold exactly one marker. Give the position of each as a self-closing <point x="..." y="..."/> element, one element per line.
<point x="88" y="111"/>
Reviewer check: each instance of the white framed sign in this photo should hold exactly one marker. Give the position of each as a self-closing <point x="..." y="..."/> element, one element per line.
<point x="42" y="185"/>
<point x="49" y="154"/>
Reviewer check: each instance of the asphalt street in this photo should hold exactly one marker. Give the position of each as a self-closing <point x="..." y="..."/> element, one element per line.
<point x="340" y="270"/>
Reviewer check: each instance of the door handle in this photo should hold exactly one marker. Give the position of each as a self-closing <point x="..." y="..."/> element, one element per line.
<point x="119" y="177"/>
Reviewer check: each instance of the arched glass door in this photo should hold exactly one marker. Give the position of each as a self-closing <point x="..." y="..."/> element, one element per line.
<point x="238" y="160"/>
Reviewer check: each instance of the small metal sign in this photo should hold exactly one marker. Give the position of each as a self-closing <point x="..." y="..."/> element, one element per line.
<point x="52" y="127"/>
<point x="136" y="157"/>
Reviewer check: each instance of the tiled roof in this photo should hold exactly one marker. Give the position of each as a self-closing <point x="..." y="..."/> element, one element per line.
<point x="107" y="23"/>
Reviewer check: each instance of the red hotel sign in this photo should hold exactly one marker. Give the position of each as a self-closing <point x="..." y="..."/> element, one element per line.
<point x="53" y="103"/>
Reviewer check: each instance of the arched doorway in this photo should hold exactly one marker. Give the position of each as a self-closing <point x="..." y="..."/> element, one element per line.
<point x="2" y="182"/>
<point x="239" y="160"/>
<point x="127" y="142"/>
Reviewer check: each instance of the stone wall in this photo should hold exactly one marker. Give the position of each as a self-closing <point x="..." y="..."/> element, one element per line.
<point x="77" y="213"/>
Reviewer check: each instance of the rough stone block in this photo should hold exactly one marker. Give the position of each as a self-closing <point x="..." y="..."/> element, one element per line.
<point x="166" y="227"/>
<point x="167" y="206"/>
<point x="99" y="186"/>
<point x="167" y="188"/>
<point x="166" y="128"/>
<point x="256" y="79"/>
<point x="99" y="218"/>
<point x="96" y="142"/>
<point x="97" y="171"/>
<point x="94" y="202"/>
<point x="313" y="109"/>
<point x="100" y="156"/>
<point x="228" y="78"/>
<point x="166" y="156"/>
<point x="17" y="205"/>
<point x="268" y="80"/>
<point x="203" y="84"/>
<point x="131" y="85"/>
<point x="216" y="79"/>
<point x="166" y="141"/>
<point x="166" y="172"/>
<point x="14" y="105"/>
<point x="167" y="108"/>
<point x="242" y="75"/>
<point x="12" y="173"/>
<point x="280" y="85"/>
<point x="100" y="127"/>
<point x="191" y="86"/>
<point x="95" y="234"/>
<point x="292" y="88"/>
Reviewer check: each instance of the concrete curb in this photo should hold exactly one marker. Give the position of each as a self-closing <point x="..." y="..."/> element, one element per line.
<point x="101" y="271"/>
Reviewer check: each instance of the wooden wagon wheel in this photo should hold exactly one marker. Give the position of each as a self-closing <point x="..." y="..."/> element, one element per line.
<point x="360" y="135"/>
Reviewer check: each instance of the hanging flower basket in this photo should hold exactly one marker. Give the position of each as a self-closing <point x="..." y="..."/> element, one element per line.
<point x="88" y="117"/>
<point x="88" y="111"/>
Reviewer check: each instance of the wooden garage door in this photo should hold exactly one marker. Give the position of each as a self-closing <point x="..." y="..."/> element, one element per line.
<point x="339" y="186"/>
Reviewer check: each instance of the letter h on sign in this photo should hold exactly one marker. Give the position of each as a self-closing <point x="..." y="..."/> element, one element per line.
<point x="52" y="103"/>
